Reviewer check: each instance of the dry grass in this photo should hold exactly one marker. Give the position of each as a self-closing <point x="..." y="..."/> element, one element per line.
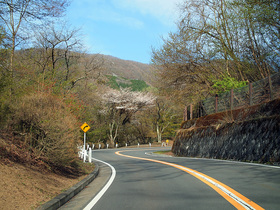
<point x="25" y="188"/>
<point x="27" y="181"/>
<point x="170" y="153"/>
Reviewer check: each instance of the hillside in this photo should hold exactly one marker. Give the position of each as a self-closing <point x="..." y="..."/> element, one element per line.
<point x="116" y="82"/>
<point x="125" y="68"/>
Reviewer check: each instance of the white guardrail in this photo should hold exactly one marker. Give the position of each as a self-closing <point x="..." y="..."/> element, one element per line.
<point x="86" y="155"/>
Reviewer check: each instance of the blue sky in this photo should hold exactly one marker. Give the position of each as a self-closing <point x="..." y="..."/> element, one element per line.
<point x="126" y="29"/>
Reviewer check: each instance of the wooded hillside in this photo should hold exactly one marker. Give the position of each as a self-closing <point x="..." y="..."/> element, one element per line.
<point x="128" y="69"/>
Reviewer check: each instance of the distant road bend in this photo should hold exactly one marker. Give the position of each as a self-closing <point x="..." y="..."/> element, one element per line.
<point x="140" y="180"/>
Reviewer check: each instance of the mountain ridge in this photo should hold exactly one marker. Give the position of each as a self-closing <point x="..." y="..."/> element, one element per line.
<point x="129" y="69"/>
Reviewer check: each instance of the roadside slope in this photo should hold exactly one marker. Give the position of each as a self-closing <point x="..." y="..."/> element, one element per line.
<point x="25" y="188"/>
<point x="26" y="181"/>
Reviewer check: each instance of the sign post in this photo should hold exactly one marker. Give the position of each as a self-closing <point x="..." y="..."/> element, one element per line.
<point x="85" y="127"/>
<point x="85" y="136"/>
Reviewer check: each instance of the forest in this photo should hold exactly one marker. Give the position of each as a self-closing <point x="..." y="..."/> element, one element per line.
<point x="50" y="86"/>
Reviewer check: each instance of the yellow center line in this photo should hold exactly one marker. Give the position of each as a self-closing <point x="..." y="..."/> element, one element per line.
<point x="236" y="199"/>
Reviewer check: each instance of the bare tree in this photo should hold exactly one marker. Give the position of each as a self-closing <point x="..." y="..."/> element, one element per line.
<point x="3" y="52"/>
<point x="57" y="46"/>
<point x="16" y="15"/>
<point x="260" y="23"/>
<point x="51" y="41"/>
<point x="90" y="66"/>
<point x="216" y="39"/>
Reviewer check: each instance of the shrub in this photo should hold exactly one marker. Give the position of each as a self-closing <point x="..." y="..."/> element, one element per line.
<point x="50" y="130"/>
<point x="225" y="84"/>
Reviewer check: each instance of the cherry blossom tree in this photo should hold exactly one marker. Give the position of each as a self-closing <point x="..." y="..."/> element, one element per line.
<point x="120" y="106"/>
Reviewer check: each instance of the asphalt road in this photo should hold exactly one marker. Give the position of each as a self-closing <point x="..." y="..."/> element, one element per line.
<point x="162" y="182"/>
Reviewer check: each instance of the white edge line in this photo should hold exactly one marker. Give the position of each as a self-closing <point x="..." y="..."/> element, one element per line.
<point x="228" y="161"/>
<point x="234" y="197"/>
<point x="104" y="189"/>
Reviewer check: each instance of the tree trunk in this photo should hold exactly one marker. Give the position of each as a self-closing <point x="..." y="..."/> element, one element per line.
<point x="112" y="136"/>
<point x="159" y="134"/>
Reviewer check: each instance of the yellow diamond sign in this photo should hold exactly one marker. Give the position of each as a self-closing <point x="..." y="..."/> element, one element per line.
<point x="85" y="127"/>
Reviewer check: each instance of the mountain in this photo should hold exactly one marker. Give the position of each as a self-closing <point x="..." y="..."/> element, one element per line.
<point x="125" y="68"/>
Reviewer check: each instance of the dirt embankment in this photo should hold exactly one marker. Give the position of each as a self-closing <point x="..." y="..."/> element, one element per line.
<point x="25" y="188"/>
<point x="248" y="134"/>
<point x="27" y="182"/>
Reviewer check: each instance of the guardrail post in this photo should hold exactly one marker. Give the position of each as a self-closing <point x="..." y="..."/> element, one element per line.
<point x="85" y="155"/>
<point x="89" y="155"/>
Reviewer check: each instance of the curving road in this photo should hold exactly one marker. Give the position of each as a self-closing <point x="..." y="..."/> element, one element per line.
<point x="137" y="179"/>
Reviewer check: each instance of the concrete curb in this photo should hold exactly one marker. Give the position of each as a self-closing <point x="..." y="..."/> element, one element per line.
<point x="62" y="198"/>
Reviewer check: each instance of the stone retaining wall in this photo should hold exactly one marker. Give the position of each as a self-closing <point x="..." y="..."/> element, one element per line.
<point x="255" y="140"/>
